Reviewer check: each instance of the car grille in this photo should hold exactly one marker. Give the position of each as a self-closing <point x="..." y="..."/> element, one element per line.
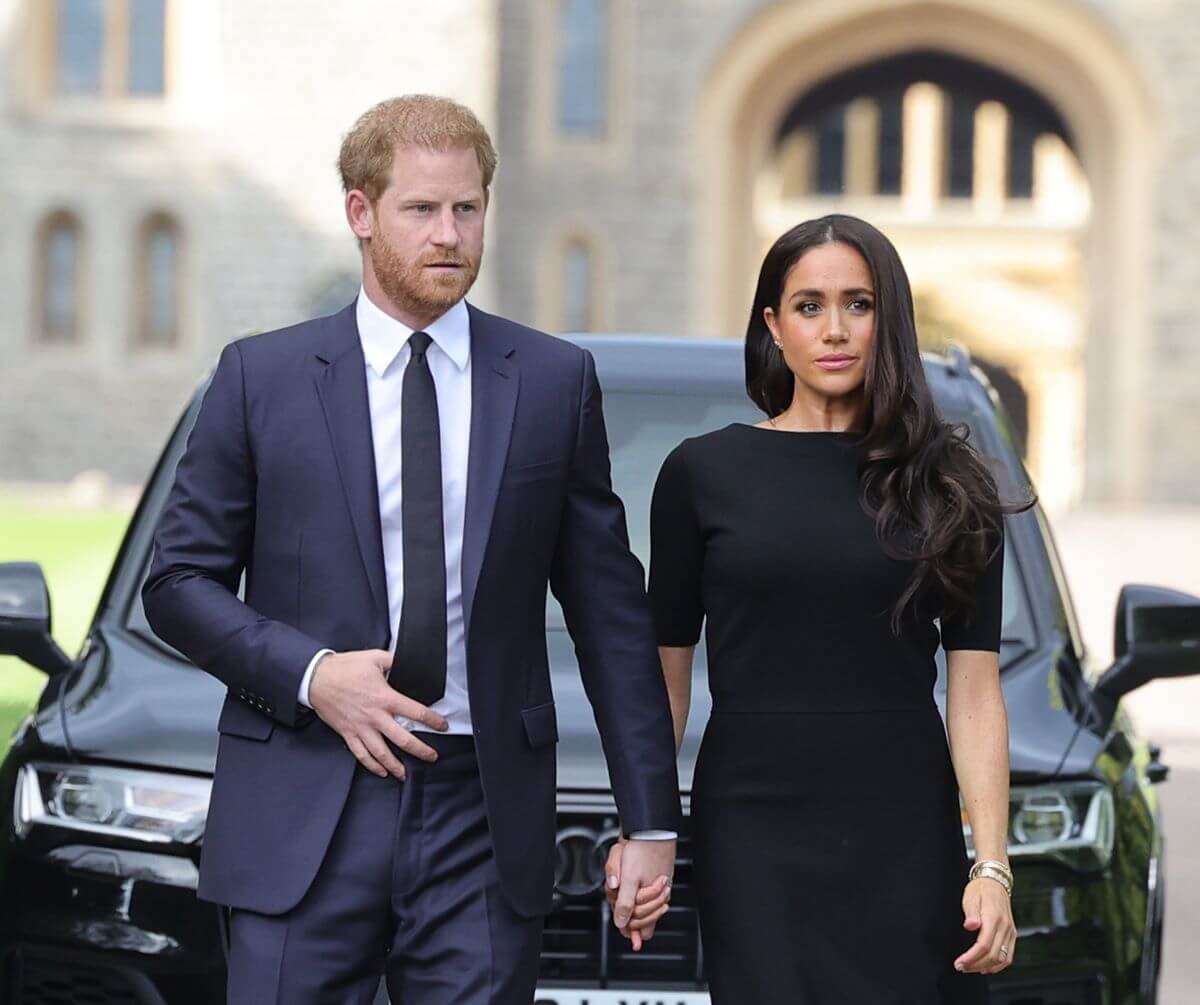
<point x="581" y="947"/>
<point x="60" y="982"/>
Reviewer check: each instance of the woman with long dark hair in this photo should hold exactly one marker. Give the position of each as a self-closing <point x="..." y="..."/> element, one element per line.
<point x="829" y="549"/>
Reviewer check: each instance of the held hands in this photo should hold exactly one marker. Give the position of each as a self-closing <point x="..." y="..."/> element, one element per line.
<point x="988" y="911"/>
<point x="350" y="692"/>
<point x="638" y="886"/>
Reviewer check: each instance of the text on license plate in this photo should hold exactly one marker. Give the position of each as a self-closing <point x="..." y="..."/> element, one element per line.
<point x="566" y="996"/>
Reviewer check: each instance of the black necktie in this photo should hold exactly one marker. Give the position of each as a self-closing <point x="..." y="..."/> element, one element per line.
<point x="419" y="669"/>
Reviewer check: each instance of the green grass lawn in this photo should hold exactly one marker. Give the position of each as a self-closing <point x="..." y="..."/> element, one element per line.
<point x="75" y="549"/>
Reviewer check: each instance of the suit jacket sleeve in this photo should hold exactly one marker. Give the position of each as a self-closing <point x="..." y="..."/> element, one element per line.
<point x="601" y="587"/>
<point x="203" y="542"/>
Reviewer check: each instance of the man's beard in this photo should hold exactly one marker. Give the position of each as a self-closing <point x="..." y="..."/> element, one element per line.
<point x="416" y="289"/>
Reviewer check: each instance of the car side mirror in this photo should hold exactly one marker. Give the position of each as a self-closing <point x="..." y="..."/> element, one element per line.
<point x="25" y="618"/>
<point x="1156" y="634"/>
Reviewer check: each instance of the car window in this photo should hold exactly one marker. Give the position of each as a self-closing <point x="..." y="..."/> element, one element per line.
<point x="643" y="428"/>
<point x="1064" y="591"/>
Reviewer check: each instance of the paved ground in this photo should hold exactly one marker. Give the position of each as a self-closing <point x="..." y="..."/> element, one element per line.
<point x="1102" y="549"/>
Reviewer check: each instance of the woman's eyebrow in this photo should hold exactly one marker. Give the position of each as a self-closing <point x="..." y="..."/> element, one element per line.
<point x="855" y="291"/>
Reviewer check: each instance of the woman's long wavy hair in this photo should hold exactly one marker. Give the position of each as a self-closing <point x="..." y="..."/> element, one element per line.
<point x="933" y="499"/>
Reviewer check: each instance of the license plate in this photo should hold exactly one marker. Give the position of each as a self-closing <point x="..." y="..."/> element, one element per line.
<point x="567" y="996"/>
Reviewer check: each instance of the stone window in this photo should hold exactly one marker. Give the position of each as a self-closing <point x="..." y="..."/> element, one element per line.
<point x="831" y="150"/>
<point x="891" y="140"/>
<point x="960" y="145"/>
<point x="104" y="48"/>
<point x="571" y="275"/>
<point x="1022" y="135"/>
<point x="79" y="52"/>
<point x="147" y="35"/>
<point x="156" y="290"/>
<point x="578" y="283"/>
<point x="583" y="67"/>
<point x="59" y="280"/>
<point x="924" y="123"/>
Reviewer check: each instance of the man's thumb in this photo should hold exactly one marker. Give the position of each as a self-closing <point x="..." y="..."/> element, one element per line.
<point x="623" y="910"/>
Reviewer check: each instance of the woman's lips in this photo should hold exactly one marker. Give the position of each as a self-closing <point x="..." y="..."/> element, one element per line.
<point x="835" y="362"/>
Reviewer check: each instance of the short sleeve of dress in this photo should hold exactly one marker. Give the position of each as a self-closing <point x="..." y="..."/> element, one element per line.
<point x="980" y="628"/>
<point x="676" y="555"/>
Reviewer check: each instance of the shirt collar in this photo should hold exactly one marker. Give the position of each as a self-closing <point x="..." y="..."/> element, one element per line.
<point x="383" y="337"/>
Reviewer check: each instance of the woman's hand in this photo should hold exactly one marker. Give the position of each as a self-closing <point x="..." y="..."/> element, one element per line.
<point x="988" y="911"/>
<point x="652" y="902"/>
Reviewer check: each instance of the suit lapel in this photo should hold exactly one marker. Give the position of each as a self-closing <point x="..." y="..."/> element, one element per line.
<point x="495" y="382"/>
<point x="342" y="388"/>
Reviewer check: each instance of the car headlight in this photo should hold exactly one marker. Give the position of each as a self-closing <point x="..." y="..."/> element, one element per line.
<point x="1071" y="821"/>
<point x="144" y="805"/>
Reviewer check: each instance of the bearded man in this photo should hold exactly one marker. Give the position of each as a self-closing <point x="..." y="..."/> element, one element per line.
<point x="399" y="482"/>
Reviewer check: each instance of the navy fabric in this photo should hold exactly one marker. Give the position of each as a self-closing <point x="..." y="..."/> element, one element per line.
<point x="409" y="888"/>
<point x="278" y="480"/>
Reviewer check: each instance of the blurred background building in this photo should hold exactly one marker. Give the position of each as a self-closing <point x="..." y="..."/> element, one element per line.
<point x="168" y="184"/>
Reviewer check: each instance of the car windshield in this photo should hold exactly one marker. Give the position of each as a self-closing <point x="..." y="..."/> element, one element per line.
<point x="644" y="427"/>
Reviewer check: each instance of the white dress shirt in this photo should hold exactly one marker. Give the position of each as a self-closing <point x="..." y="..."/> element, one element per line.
<point x="387" y="352"/>
<point x="385" y="347"/>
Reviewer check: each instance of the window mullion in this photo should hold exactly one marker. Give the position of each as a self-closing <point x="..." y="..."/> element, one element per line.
<point x="116" y="48"/>
<point x="45" y="28"/>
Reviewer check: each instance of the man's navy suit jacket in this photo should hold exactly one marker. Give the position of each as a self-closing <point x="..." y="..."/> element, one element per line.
<point x="278" y="480"/>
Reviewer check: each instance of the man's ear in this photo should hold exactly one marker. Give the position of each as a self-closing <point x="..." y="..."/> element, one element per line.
<point x="360" y="214"/>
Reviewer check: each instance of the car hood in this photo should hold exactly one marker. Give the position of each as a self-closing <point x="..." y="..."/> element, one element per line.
<point x="131" y="703"/>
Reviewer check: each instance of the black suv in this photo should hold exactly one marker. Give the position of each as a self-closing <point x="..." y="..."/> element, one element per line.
<point x="108" y="779"/>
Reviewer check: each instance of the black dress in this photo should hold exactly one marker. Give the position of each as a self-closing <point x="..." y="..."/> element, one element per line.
<point x="829" y="853"/>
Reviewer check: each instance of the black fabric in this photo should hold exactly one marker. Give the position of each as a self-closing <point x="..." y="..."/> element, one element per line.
<point x="829" y="853"/>
<point x="419" y="668"/>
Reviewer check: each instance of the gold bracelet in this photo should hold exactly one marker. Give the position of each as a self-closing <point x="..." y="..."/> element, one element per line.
<point x="993" y="863"/>
<point x="996" y="871"/>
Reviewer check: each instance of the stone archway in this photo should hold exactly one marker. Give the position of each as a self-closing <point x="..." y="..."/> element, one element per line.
<point x="1062" y="51"/>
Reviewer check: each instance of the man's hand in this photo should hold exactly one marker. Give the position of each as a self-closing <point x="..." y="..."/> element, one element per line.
<point x="350" y="692"/>
<point x="638" y="886"/>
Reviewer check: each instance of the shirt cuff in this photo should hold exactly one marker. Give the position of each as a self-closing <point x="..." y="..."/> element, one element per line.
<point x="302" y="697"/>
<point x="653" y="836"/>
